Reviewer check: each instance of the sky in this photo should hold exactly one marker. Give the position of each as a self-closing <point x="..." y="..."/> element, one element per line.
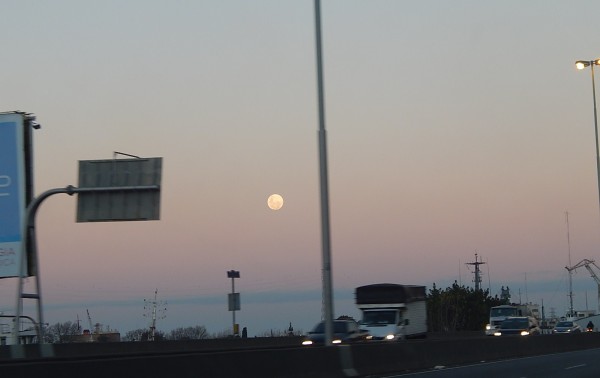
<point x="453" y="128"/>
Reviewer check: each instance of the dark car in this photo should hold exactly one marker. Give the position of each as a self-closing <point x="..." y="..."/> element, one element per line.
<point x="518" y="326"/>
<point x="344" y="332"/>
<point x="566" y="326"/>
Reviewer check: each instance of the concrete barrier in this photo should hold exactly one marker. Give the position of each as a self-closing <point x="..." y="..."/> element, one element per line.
<point x="281" y="359"/>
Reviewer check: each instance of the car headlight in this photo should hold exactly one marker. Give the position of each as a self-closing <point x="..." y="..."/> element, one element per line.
<point x="390" y="337"/>
<point x="369" y="337"/>
<point x="336" y="341"/>
<point x="497" y="333"/>
<point x="488" y="327"/>
<point x="524" y="333"/>
<point x="307" y="342"/>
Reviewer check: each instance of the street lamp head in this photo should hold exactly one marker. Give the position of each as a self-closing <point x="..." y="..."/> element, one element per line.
<point x="581" y="64"/>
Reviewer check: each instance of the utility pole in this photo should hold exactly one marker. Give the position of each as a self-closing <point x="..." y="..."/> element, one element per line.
<point x="571" y="312"/>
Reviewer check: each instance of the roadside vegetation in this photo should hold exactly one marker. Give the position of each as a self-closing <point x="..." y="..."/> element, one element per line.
<point x="459" y="308"/>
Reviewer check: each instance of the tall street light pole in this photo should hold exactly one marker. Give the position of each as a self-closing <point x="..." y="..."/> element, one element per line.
<point x="325" y="234"/>
<point x="581" y="64"/>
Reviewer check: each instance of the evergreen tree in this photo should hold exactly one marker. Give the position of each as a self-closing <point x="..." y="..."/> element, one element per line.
<point x="459" y="308"/>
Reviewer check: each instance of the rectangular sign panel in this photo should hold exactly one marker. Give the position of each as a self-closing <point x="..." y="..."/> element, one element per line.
<point x="99" y="205"/>
<point x="12" y="193"/>
<point x="233" y="300"/>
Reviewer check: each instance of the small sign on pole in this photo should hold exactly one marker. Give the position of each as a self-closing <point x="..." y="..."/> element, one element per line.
<point x="234" y="301"/>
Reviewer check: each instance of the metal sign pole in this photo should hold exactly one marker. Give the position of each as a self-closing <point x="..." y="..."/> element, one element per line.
<point x="233" y="299"/>
<point x="233" y="294"/>
<point x="29" y="230"/>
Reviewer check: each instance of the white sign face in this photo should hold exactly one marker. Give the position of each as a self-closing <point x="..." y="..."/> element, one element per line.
<point x="12" y="193"/>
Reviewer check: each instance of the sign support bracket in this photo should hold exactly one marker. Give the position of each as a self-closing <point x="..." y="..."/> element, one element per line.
<point x="30" y="244"/>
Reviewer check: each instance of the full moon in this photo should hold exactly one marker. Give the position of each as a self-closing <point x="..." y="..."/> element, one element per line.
<point x="275" y="202"/>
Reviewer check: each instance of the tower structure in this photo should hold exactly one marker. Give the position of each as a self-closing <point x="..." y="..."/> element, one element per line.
<point x="154" y="312"/>
<point x="477" y="272"/>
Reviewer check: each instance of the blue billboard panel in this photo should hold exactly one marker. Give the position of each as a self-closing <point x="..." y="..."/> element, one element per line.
<point x="12" y="193"/>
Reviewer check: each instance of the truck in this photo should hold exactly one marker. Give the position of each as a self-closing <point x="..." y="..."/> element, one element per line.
<point x="392" y="311"/>
<point x="500" y="313"/>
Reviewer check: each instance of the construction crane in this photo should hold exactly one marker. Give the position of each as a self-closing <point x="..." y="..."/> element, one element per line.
<point x="91" y="326"/>
<point x="89" y="319"/>
<point x="588" y="265"/>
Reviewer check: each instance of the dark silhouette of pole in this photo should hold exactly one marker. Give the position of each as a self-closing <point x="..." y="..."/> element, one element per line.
<point x="233" y="274"/>
<point x="325" y="234"/>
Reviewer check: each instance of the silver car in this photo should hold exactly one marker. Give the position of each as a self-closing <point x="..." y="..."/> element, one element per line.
<point x="566" y="326"/>
<point x="345" y="331"/>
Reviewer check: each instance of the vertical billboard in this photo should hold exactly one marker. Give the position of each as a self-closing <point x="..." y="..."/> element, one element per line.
<point x="13" y="199"/>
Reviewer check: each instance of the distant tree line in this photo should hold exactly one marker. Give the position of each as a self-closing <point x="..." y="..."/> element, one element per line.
<point x="459" y="308"/>
<point x="60" y="333"/>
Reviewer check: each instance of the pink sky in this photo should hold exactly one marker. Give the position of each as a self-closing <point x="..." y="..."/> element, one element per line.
<point x="454" y="128"/>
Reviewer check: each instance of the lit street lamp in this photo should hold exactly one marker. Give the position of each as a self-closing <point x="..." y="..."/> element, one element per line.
<point x="581" y="64"/>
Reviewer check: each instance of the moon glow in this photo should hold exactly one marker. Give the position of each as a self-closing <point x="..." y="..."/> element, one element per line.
<point x="275" y="202"/>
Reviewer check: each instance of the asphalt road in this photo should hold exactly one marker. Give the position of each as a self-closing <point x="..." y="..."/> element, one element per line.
<point x="578" y="364"/>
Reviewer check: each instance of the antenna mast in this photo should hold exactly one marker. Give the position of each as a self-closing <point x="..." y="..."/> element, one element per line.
<point x="151" y="306"/>
<point x="571" y="312"/>
<point x="477" y="272"/>
<point x="489" y="279"/>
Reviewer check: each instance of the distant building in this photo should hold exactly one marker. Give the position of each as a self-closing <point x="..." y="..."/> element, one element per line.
<point x="27" y="335"/>
<point x="95" y="337"/>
